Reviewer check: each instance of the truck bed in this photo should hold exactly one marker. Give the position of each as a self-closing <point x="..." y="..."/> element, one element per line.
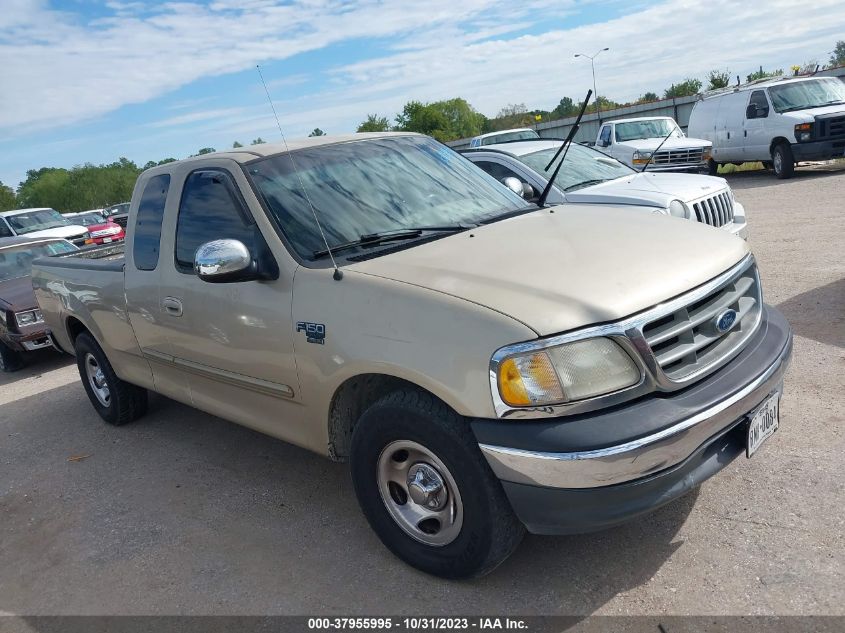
<point x="107" y="257"/>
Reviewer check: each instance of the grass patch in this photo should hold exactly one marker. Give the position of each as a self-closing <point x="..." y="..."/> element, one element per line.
<point x="730" y="168"/>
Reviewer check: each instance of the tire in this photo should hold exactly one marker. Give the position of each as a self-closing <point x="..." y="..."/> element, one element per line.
<point x="409" y="430"/>
<point x="712" y="167"/>
<point x="117" y="401"/>
<point x="783" y="162"/>
<point x="10" y="360"/>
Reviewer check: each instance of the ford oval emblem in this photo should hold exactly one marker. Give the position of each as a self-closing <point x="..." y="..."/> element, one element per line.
<point x="725" y="321"/>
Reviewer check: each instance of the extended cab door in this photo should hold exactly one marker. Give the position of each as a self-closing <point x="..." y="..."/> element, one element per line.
<point x="233" y="341"/>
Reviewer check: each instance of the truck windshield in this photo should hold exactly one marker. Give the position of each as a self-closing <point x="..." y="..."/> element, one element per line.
<point x="583" y="167"/>
<point x="814" y="93"/>
<point x="654" y="128"/>
<point x="375" y="185"/>
<point x="16" y="261"/>
<point x="39" y="220"/>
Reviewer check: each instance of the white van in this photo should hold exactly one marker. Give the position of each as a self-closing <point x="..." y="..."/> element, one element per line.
<point x="779" y="122"/>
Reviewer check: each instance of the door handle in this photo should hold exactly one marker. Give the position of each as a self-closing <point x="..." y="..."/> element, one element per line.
<point x="172" y="306"/>
<point x="745" y="132"/>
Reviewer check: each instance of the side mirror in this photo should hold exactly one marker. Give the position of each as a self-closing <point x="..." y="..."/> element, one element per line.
<point x="528" y="191"/>
<point x="222" y="261"/>
<point x="514" y="184"/>
<point x="751" y="112"/>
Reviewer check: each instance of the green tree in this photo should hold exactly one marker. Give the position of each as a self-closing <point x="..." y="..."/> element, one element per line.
<point x="317" y="132"/>
<point x="762" y="74"/>
<point x="837" y="57"/>
<point x="374" y="123"/>
<point x="444" y="120"/>
<point x="258" y="141"/>
<point x="236" y="145"/>
<point x="565" y="108"/>
<point x="688" y="87"/>
<point x="206" y="150"/>
<point x="718" y="79"/>
<point x="7" y="198"/>
<point x="648" y="97"/>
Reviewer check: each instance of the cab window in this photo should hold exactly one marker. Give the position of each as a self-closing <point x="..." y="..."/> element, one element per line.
<point x="147" y="241"/>
<point x="211" y="209"/>
<point x="5" y="231"/>
<point x="604" y="139"/>
<point x="497" y="170"/>
<point x="760" y="105"/>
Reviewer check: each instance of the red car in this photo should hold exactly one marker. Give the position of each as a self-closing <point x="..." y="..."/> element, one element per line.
<point x="102" y="230"/>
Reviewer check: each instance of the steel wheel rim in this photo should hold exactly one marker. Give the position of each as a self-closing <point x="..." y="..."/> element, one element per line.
<point x="420" y="493"/>
<point x="777" y="161"/>
<point x="97" y="380"/>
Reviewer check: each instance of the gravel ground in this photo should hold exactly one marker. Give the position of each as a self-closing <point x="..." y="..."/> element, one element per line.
<point x="182" y="513"/>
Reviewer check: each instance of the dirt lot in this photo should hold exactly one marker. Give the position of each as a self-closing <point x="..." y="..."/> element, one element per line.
<point x="184" y="513"/>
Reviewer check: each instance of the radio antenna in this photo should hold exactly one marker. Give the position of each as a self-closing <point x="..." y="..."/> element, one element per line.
<point x="338" y="273"/>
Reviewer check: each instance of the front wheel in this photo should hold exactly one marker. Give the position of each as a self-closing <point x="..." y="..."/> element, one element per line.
<point x="783" y="162"/>
<point x="10" y="360"/>
<point x="117" y="401"/>
<point x="427" y="490"/>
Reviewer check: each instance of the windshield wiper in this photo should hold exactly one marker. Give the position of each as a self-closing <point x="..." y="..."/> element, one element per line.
<point x="405" y="233"/>
<point x="585" y="183"/>
<point x="541" y="202"/>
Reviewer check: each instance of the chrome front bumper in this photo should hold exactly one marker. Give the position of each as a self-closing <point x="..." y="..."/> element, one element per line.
<point x="651" y="453"/>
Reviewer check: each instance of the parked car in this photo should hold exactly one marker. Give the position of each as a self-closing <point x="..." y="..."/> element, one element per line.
<point x="42" y="222"/>
<point x="485" y="365"/>
<point x="102" y="230"/>
<point x="22" y="328"/>
<point x="635" y="142"/>
<point x="590" y="177"/>
<point x="778" y="122"/>
<point x="117" y="213"/>
<point x="504" y="136"/>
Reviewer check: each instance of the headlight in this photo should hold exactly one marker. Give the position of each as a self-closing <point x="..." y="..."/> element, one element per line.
<point x="803" y="132"/>
<point x="706" y="154"/>
<point x="641" y="158"/>
<point x="28" y="318"/>
<point x="572" y="371"/>
<point x="678" y="209"/>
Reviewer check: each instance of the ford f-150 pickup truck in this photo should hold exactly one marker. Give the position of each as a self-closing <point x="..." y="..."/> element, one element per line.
<point x="484" y="364"/>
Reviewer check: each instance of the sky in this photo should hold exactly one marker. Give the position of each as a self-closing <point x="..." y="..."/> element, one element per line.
<point x="93" y="80"/>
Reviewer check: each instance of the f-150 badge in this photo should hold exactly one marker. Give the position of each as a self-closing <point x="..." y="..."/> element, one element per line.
<point x="314" y="332"/>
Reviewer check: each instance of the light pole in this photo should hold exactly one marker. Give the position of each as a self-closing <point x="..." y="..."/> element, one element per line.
<point x="593" y="66"/>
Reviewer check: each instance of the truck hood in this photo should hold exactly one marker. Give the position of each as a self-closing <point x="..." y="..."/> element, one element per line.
<point x="17" y="294"/>
<point x="650" y="144"/>
<point x="569" y="267"/>
<point x="650" y="188"/>
<point x="67" y="232"/>
<point x="807" y="115"/>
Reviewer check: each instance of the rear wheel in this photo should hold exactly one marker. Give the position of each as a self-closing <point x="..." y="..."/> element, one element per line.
<point x="712" y="167"/>
<point x="783" y="162"/>
<point x="117" y="401"/>
<point x="427" y="490"/>
<point x="10" y="360"/>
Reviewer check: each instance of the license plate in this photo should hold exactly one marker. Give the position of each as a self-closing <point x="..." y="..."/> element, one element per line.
<point x="764" y="422"/>
<point x="106" y="240"/>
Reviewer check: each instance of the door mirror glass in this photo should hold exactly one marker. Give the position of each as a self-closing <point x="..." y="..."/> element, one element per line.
<point x="223" y="261"/>
<point x="751" y="111"/>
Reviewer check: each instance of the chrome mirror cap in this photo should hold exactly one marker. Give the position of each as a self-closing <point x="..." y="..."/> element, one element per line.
<point x="224" y="260"/>
<point x="514" y="184"/>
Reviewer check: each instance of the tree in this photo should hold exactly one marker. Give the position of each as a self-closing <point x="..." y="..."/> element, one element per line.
<point x="7" y="198"/>
<point x="837" y="57"/>
<point x="762" y="74"/>
<point x="444" y="120"/>
<point x="236" y="145"/>
<point x="206" y="150"/>
<point x="565" y="108"/>
<point x="374" y="123"/>
<point x="258" y="141"/>
<point x="686" y="88"/>
<point x="648" y="97"/>
<point x="718" y="79"/>
<point x="317" y="132"/>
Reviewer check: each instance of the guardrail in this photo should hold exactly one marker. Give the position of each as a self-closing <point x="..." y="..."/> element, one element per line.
<point x="678" y="108"/>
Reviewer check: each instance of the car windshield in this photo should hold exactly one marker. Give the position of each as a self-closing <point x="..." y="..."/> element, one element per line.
<point x="807" y="94"/>
<point x="123" y="207"/>
<point x="39" y="220"/>
<point x="89" y="219"/>
<point x="16" y="261"/>
<point x="653" y="128"/>
<point x="375" y="185"/>
<point x="583" y="166"/>
<point x="506" y="137"/>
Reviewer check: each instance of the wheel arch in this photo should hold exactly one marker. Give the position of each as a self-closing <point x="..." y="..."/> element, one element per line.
<point x="352" y="397"/>
<point x="777" y="141"/>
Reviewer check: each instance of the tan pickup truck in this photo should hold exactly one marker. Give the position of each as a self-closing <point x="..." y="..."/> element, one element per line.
<point x="485" y="365"/>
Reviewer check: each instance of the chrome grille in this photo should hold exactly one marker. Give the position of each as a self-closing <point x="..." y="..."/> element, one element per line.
<point x="716" y="210"/>
<point x="687" y="341"/>
<point x="690" y="156"/>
